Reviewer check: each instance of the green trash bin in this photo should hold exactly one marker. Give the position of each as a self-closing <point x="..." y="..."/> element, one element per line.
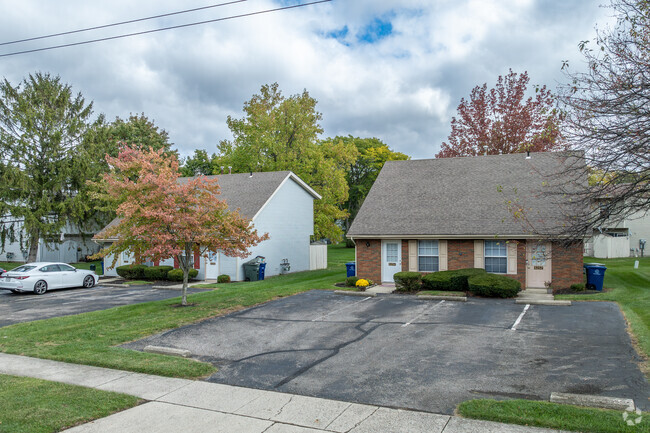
<point x="252" y="269"/>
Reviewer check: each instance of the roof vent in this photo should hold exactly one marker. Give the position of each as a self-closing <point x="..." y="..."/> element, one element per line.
<point x="222" y="169"/>
<point x="230" y="169"/>
<point x="251" y="175"/>
<point x="528" y="154"/>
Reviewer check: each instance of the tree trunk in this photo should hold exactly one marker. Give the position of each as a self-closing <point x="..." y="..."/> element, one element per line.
<point x="33" y="246"/>
<point x="185" y="264"/>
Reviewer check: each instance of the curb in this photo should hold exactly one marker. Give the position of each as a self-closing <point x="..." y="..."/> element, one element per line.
<point x="168" y="287"/>
<point x="540" y="302"/>
<point x="597" y="401"/>
<point x="362" y="294"/>
<point x="443" y="298"/>
<point x="120" y="285"/>
<point x="168" y="351"/>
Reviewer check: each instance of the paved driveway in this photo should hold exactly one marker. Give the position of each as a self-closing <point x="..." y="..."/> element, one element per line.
<point x="429" y="355"/>
<point x="25" y="307"/>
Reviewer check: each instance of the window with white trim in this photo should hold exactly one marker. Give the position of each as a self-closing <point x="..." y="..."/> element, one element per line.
<point x="428" y="260"/>
<point x="496" y="257"/>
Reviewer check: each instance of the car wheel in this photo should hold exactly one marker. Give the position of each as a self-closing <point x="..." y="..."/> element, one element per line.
<point x="89" y="281"/>
<point x="40" y="287"/>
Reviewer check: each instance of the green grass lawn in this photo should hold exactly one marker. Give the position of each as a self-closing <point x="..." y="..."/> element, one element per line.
<point x="550" y="415"/>
<point x="38" y="406"/>
<point x="82" y="265"/>
<point x="630" y="288"/>
<point x="90" y="338"/>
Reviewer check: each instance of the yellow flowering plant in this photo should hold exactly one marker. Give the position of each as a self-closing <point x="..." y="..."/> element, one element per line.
<point x="362" y="283"/>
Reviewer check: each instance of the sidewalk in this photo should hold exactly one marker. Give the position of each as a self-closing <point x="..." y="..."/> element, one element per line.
<point x="185" y="405"/>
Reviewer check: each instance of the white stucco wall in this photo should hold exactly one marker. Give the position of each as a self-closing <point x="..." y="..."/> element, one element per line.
<point x="288" y="217"/>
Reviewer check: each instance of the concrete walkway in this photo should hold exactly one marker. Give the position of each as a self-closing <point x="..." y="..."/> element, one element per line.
<point x="185" y="405"/>
<point x="382" y="288"/>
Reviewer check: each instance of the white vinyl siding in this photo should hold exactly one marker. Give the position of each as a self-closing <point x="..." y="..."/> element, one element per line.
<point x="496" y="257"/>
<point x="428" y="257"/>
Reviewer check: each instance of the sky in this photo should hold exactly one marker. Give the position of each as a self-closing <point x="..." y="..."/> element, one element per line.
<point x="391" y="69"/>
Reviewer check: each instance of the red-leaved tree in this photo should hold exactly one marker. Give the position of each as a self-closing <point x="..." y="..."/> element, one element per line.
<point x="503" y="120"/>
<point x="161" y="217"/>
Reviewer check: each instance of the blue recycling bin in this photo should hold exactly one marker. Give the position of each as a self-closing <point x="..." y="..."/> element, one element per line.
<point x="260" y="275"/>
<point x="595" y="276"/>
<point x="351" y="268"/>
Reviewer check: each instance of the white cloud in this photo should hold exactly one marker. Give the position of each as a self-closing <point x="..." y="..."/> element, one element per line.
<point x="403" y="89"/>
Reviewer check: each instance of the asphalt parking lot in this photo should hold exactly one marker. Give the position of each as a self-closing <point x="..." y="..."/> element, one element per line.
<point x="25" y="307"/>
<point x="403" y="352"/>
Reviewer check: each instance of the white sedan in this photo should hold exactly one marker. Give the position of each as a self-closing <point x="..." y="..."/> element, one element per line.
<point x="43" y="276"/>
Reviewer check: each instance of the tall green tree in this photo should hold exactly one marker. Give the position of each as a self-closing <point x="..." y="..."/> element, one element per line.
<point x="137" y="131"/>
<point x="362" y="173"/>
<point x="199" y="164"/>
<point x="278" y="133"/>
<point x="46" y="156"/>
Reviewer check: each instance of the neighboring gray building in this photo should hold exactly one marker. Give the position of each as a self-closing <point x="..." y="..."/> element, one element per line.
<point x="72" y="245"/>
<point x="278" y="203"/>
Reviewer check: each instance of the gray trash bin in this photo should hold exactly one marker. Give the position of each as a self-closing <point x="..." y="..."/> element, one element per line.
<point x="252" y="269"/>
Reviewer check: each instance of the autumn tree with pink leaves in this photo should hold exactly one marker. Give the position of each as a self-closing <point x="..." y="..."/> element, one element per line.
<point x="503" y="120"/>
<point x="161" y="216"/>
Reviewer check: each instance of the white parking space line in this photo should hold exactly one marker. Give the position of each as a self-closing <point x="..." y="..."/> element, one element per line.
<point x="340" y="309"/>
<point x="521" y="316"/>
<point x="421" y="314"/>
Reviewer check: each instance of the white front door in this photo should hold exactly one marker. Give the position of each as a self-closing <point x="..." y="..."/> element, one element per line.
<point x="212" y="266"/>
<point x="391" y="259"/>
<point x="538" y="264"/>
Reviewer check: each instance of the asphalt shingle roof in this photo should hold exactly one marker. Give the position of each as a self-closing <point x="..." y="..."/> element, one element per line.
<point x="468" y="196"/>
<point x="240" y="191"/>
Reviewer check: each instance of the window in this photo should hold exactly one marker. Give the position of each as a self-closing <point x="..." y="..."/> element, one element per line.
<point x="496" y="257"/>
<point x="66" y="268"/>
<point x="428" y="256"/>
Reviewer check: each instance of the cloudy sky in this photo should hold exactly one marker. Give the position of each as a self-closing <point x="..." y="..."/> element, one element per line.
<point x="392" y="69"/>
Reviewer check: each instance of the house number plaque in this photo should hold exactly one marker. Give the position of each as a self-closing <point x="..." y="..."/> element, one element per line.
<point x="392" y="264"/>
<point x="539" y="268"/>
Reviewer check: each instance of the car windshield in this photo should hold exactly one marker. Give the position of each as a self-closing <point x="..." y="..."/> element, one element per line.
<point x="23" y="268"/>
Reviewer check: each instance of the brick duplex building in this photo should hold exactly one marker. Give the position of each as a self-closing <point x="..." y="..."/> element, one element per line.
<point x="503" y="213"/>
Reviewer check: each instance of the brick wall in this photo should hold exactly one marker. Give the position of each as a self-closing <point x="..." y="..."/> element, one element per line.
<point x="566" y="265"/>
<point x="369" y="259"/>
<point x="460" y="254"/>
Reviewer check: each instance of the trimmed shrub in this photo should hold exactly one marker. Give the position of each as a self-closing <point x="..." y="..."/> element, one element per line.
<point x="222" y="279"/>
<point x="460" y="277"/>
<point x="450" y="280"/>
<point x="351" y="281"/>
<point x="131" y="272"/>
<point x="407" y="281"/>
<point x="438" y="280"/>
<point x="177" y="274"/>
<point x="579" y="287"/>
<point x="157" y="273"/>
<point x="494" y="286"/>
